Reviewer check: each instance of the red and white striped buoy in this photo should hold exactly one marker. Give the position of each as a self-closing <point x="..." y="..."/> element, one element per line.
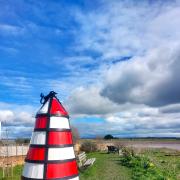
<point x="51" y="154"/>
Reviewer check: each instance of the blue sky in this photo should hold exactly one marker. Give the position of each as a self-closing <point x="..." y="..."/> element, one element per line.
<point x="114" y="64"/>
<point x="35" y="36"/>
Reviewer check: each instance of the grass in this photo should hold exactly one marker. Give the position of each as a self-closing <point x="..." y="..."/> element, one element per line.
<point x="106" y="167"/>
<point x="168" y="162"/>
<point x="149" y="165"/>
<point x="17" y="171"/>
<point x="153" y="165"/>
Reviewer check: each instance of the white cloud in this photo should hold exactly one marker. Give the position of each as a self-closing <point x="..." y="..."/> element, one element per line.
<point x="85" y="101"/>
<point x="136" y="95"/>
<point x="120" y="29"/>
<point x="151" y="79"/>
<point x="14" y="114"/>
<point x="10" y="117"/>
<point x="6" y="115"/>
<point x="17" y="83"/>
<point x="7" y="29"/>
<point x="172" y="108"/>
<point x="17" y="120"/>
<point x="134" y="122"/>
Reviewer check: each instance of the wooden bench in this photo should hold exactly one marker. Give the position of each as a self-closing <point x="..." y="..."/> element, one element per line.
<point x="83" y="161"/>
<point x="113" y="149"/>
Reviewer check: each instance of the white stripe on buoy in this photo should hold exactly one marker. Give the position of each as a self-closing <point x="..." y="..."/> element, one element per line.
<point x="76" y="178"/>
<point x="44" y="108"/>
<point x="61" y="153"/>
<point x="38" y="137"/>
<point x="32" y="170"/>
<point x="59" y="122"/>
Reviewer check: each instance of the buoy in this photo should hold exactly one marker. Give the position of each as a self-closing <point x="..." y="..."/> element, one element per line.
<point x="51" y="154"/>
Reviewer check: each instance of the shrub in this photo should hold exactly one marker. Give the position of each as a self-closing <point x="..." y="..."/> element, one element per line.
<point x="22" y="141"/>
<point x="128" y="154"/>
<point x="88" y="146"/>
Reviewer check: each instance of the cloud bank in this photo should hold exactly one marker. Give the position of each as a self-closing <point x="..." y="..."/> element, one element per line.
<point x="139" y="96"/>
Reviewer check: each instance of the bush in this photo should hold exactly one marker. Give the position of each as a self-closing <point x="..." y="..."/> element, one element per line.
<point x="22" y="141"/>
<point x="128" y="155"/>
<point x="88" y="146"/>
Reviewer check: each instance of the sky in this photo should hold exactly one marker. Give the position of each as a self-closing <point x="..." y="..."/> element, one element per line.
<point x="114" y="64"/>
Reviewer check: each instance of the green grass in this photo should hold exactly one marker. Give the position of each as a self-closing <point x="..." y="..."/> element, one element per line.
<point x="166" y="166"/>
<point x="17" y="171"/>
<point x="168" y="162"/>
<point x="106" y="167"/>
<point x="153" y="165"/>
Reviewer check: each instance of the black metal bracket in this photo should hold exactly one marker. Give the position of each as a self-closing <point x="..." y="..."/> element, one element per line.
<point x="44" y="98"/>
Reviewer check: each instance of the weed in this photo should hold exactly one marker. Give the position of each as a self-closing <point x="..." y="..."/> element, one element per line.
<point x="142" y="167"/>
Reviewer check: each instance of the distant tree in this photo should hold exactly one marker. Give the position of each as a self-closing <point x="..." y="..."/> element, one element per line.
<point x="108" y="136"/>
<point x="75" y="134"/>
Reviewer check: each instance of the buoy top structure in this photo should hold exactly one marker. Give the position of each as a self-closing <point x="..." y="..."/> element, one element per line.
<point x="51" y="154"/>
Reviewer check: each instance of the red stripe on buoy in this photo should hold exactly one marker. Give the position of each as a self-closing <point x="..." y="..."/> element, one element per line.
<point x="60" y="138"/>
<point x="36" y="154"/>
<point x="61" y="170"/>
<point x="41" y="122"/>
<point x="57" y="108"/>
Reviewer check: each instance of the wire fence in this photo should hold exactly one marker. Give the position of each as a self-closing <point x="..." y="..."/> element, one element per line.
<point x="11" y="155"/>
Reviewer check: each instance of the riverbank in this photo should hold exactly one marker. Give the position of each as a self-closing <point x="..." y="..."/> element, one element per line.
<point x="139" y="144"/>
